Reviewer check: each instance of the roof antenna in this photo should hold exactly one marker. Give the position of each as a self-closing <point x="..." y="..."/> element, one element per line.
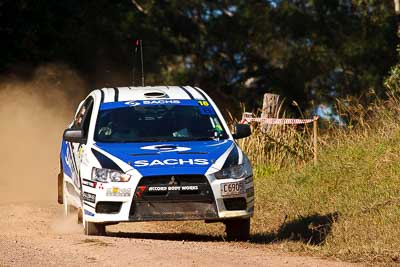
<point x="134" y="62"/>
<point x="141" y="59"/>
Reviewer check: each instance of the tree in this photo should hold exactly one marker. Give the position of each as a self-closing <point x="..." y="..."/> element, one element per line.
<point x="309" y="51"/>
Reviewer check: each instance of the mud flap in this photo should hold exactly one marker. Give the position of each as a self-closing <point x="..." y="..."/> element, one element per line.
<point x="60" y="188"/>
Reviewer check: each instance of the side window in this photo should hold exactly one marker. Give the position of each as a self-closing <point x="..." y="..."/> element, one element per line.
<point x="79" y="116"/>
<point x="82" y="118"/>
<point x="86" y="120"/>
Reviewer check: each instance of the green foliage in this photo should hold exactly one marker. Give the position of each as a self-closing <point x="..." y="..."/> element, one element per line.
<point x="304" y="50"/>
<point x="392" y="82"/>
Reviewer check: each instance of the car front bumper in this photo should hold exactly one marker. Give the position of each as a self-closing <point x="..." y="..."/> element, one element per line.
<point x="134" y="201"/>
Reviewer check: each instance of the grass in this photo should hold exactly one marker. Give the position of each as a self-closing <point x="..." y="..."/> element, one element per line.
<point x="347" y="205"/>
<point x="279" y="146"/>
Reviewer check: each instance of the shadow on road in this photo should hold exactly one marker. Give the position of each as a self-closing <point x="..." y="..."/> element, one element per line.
<point x="313" y="229"/>
<point x="168" y="236"/>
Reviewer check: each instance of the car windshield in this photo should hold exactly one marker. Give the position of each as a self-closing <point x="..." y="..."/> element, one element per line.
<point x="141" y="121"/>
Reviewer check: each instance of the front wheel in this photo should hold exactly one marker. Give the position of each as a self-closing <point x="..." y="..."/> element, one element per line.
<point x="238" y="229"/>
<point x="91" y="228"/>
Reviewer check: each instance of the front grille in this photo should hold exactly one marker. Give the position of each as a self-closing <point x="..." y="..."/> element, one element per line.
<point x="166" y="179"/>
<point x="174" y="188"/>
<point x="235" y="203"/>
<point x="173" y="197"/>
<point x="108" y="207"/>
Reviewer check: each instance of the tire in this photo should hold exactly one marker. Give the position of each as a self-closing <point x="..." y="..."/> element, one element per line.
<point x="91" y="228"/>
<point x="238" y="229"/>
<point x="94" y="228"/>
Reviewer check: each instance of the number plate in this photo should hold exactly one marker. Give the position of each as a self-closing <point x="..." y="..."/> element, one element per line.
<point x="229" y="189"/>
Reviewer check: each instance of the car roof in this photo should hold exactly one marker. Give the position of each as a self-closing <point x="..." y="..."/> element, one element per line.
<point x="117" y="94"/>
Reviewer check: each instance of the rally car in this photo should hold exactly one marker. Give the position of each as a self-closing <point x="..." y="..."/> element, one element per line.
<point x="153" y="154"/>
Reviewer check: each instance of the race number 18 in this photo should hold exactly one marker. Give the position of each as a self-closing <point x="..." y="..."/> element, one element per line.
<point x="203" y="103"/>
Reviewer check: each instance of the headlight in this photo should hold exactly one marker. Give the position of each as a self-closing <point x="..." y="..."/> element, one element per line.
<point x="107" y="175"/>
<point x="236" y="172"/>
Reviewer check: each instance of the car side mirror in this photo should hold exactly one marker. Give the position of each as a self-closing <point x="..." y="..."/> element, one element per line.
<point x="74" y="136"/>
<point x="241" y="131"/>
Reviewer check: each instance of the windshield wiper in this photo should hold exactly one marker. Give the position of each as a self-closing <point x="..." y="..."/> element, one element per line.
<point x="204" y="138"/>
<point x="170" y="139"/>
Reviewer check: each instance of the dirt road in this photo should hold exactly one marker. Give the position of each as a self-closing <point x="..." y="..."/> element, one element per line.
<point x="39" y="235"/>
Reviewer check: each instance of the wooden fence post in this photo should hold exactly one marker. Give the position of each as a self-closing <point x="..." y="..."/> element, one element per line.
<point x="270" y="108"/>
<point x="315" y="138"/>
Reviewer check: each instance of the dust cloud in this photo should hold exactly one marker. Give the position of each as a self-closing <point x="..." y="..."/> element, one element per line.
<point x="62" y="224"/>
<point x="33" y="115"/>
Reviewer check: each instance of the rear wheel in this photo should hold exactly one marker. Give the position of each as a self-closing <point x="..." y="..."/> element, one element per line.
<point x="238" y="229"/>
<point x="60" y="180"/>
<point x="80" y="216"/>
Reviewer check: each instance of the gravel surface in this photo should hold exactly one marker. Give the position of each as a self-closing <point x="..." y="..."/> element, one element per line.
<point x="39" y="235"/>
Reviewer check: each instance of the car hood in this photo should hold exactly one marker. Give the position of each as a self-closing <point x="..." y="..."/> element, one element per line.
<point x="164" y="158"/>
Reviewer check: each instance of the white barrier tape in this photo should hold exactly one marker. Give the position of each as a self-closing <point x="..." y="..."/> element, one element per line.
<point x="277" y="121"/>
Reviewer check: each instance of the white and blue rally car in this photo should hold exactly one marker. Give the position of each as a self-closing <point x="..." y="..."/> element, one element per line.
<point x="154" y="154"/>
